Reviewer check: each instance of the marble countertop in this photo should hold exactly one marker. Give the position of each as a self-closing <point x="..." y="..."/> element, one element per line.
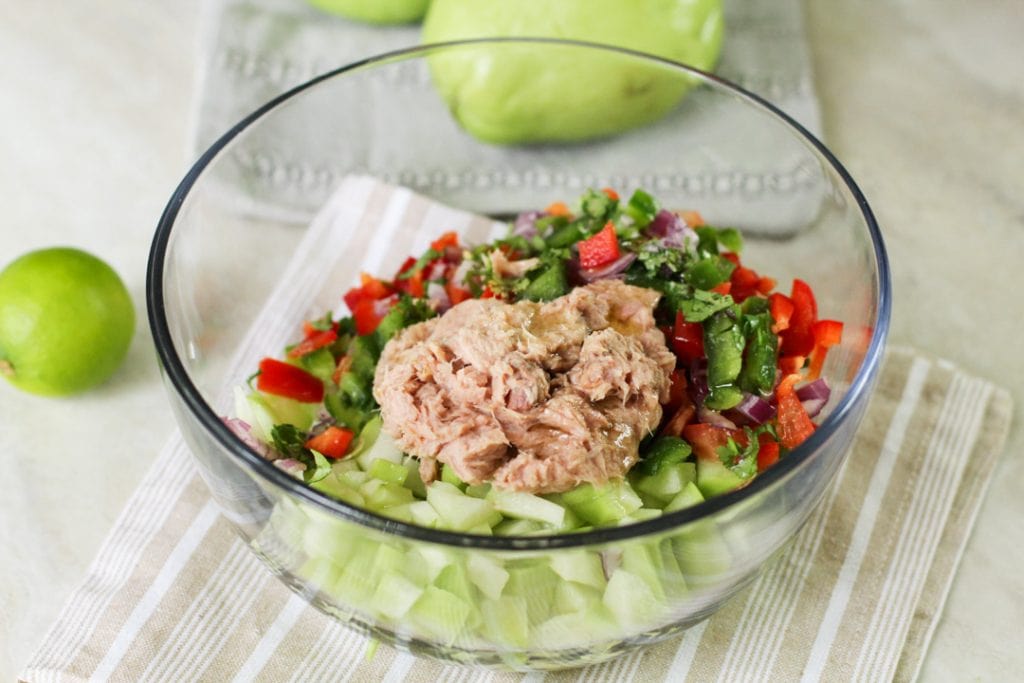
<point x="923" y="100"/>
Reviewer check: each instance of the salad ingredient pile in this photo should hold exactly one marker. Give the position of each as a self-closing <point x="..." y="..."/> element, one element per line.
<point x="601" y="365"/>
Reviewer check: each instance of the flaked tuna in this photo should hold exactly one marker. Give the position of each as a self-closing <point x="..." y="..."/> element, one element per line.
<point x="529" y="396"/>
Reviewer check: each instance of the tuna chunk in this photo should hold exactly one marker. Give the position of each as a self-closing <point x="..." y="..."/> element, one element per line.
<point x="529" y="396"/>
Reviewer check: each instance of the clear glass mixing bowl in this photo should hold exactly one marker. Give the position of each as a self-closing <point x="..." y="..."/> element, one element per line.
<point x="233" y="226"/>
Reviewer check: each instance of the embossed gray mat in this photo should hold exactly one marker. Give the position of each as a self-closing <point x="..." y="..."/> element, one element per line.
<point x="253" y="50"/>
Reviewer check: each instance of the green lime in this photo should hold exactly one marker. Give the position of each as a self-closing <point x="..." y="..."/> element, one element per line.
<point x="65" y="321"/>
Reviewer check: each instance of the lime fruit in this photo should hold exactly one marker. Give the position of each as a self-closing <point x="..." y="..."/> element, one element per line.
<point x="65" y="321"/>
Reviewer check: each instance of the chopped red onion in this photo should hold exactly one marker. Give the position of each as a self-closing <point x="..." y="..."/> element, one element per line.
<point x="698" y="385"/>
<point x="459" y="276"/>
<point x="243" y="430"/>
<point x="526" y="224"/>
<point x="291" y="466"/>
<point x="437" y="294"/>
<point x="755" y="409"/>
<point x="613" y="269"/>
<point x="713" y="417"/>
<point x="382" y="306"/>
<point x="814" y="396"/>
<point x="672" y="230"/>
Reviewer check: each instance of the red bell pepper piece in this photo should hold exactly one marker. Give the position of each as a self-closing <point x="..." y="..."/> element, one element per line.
<point x="707" y="439"/>
<point x="826" y="333"/>
<point x="687" y="339"/>
<point x="448" y="239"/>
<point x="692" y="218"/>
<point x="767" y="451"/>
<point x="600" y="248"/>
<point x="366" y="316"/>
<point x="798" y="338"/>
<point x="370" y="288"/>
<point x="333" y="442"/>
<point x="456" y="294"/>
<point x="793" y="423"/>
<point x="789" y="365"/>
<point x="312" y="342"/>
<point x="744" y="283"/>
<point x="781" y="308"/>
<point x="282" y="379"/>
<point x="558" y="209"/>
<point x="723" y="288"/>
<point x="765" y="285"/>
<point x="611" y="194"/>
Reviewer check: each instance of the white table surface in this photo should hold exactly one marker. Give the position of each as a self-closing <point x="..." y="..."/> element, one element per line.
<point x="923" y="100"/>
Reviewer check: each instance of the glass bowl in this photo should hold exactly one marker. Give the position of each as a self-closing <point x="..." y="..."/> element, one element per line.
<point x="232" y="231"/>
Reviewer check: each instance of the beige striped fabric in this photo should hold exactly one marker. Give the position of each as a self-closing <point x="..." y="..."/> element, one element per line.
<point x="175" y="595"/>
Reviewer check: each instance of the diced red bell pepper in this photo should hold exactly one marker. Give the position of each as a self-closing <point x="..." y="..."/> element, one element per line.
<point x="611" y="194"/>
<point x="798" y="338"/>
<point x="680" y="409"/>
<point x="600" y="248"/>
<point x="789" y="365"/>
<point x="282" y="379"/>
<point x="333" y="442"/>
<point x="692" y="218"/>
<point x="723" y="288"/>
<point x="707" y="439"/>
<point x="826" y="333"/>
<point x="744" y="283"/>
<point x="687" y="339"/>
<point x="767" y="451"/>
<point x="366" y="316"/>
<point x="558" y="209"/>
<point x="781" y="308"/>
<point x="370" y="288"/>
<point x="413" y="284"/>
<point x="448" y="239"/>
<point x="312" y="342"/>
<point x="765" y="285"/>
<point x="488" y="293"/>
<point x="456" y="294"/>
<point x="792" y="422"/>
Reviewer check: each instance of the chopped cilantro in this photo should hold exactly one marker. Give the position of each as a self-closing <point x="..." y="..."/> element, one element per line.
<point x="290" y="442"/>
<point x="703" y="304"/>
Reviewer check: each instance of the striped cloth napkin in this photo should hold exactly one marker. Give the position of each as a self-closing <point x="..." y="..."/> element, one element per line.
<point x="175" y="595"/>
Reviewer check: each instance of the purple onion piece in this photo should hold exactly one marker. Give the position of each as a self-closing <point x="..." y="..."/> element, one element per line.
<point x="698" y="385"/>
<point x="814" y="396"/>
<point x="715" y="418"/>
<point x="243" y="430"/>
<point x="291" y="466"/>
<point x="437" y="294"/>
<point x="755" y="409"/>
<point x="813" y="406"/>
<point x="671" y="230"/>
<point x="526" y="224"/>
<point x="613" y="269"/>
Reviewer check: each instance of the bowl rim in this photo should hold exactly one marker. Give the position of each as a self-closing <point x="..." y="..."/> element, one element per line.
<point x="179" y="378"/>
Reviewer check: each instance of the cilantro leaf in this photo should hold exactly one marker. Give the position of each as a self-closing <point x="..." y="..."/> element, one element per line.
<point x="703" y="304"/>
<point x="743" y="462"/>
<point x="290" y="442"/>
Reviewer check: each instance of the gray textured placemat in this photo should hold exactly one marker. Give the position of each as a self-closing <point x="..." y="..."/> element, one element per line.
<point x="253" y="50"/>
